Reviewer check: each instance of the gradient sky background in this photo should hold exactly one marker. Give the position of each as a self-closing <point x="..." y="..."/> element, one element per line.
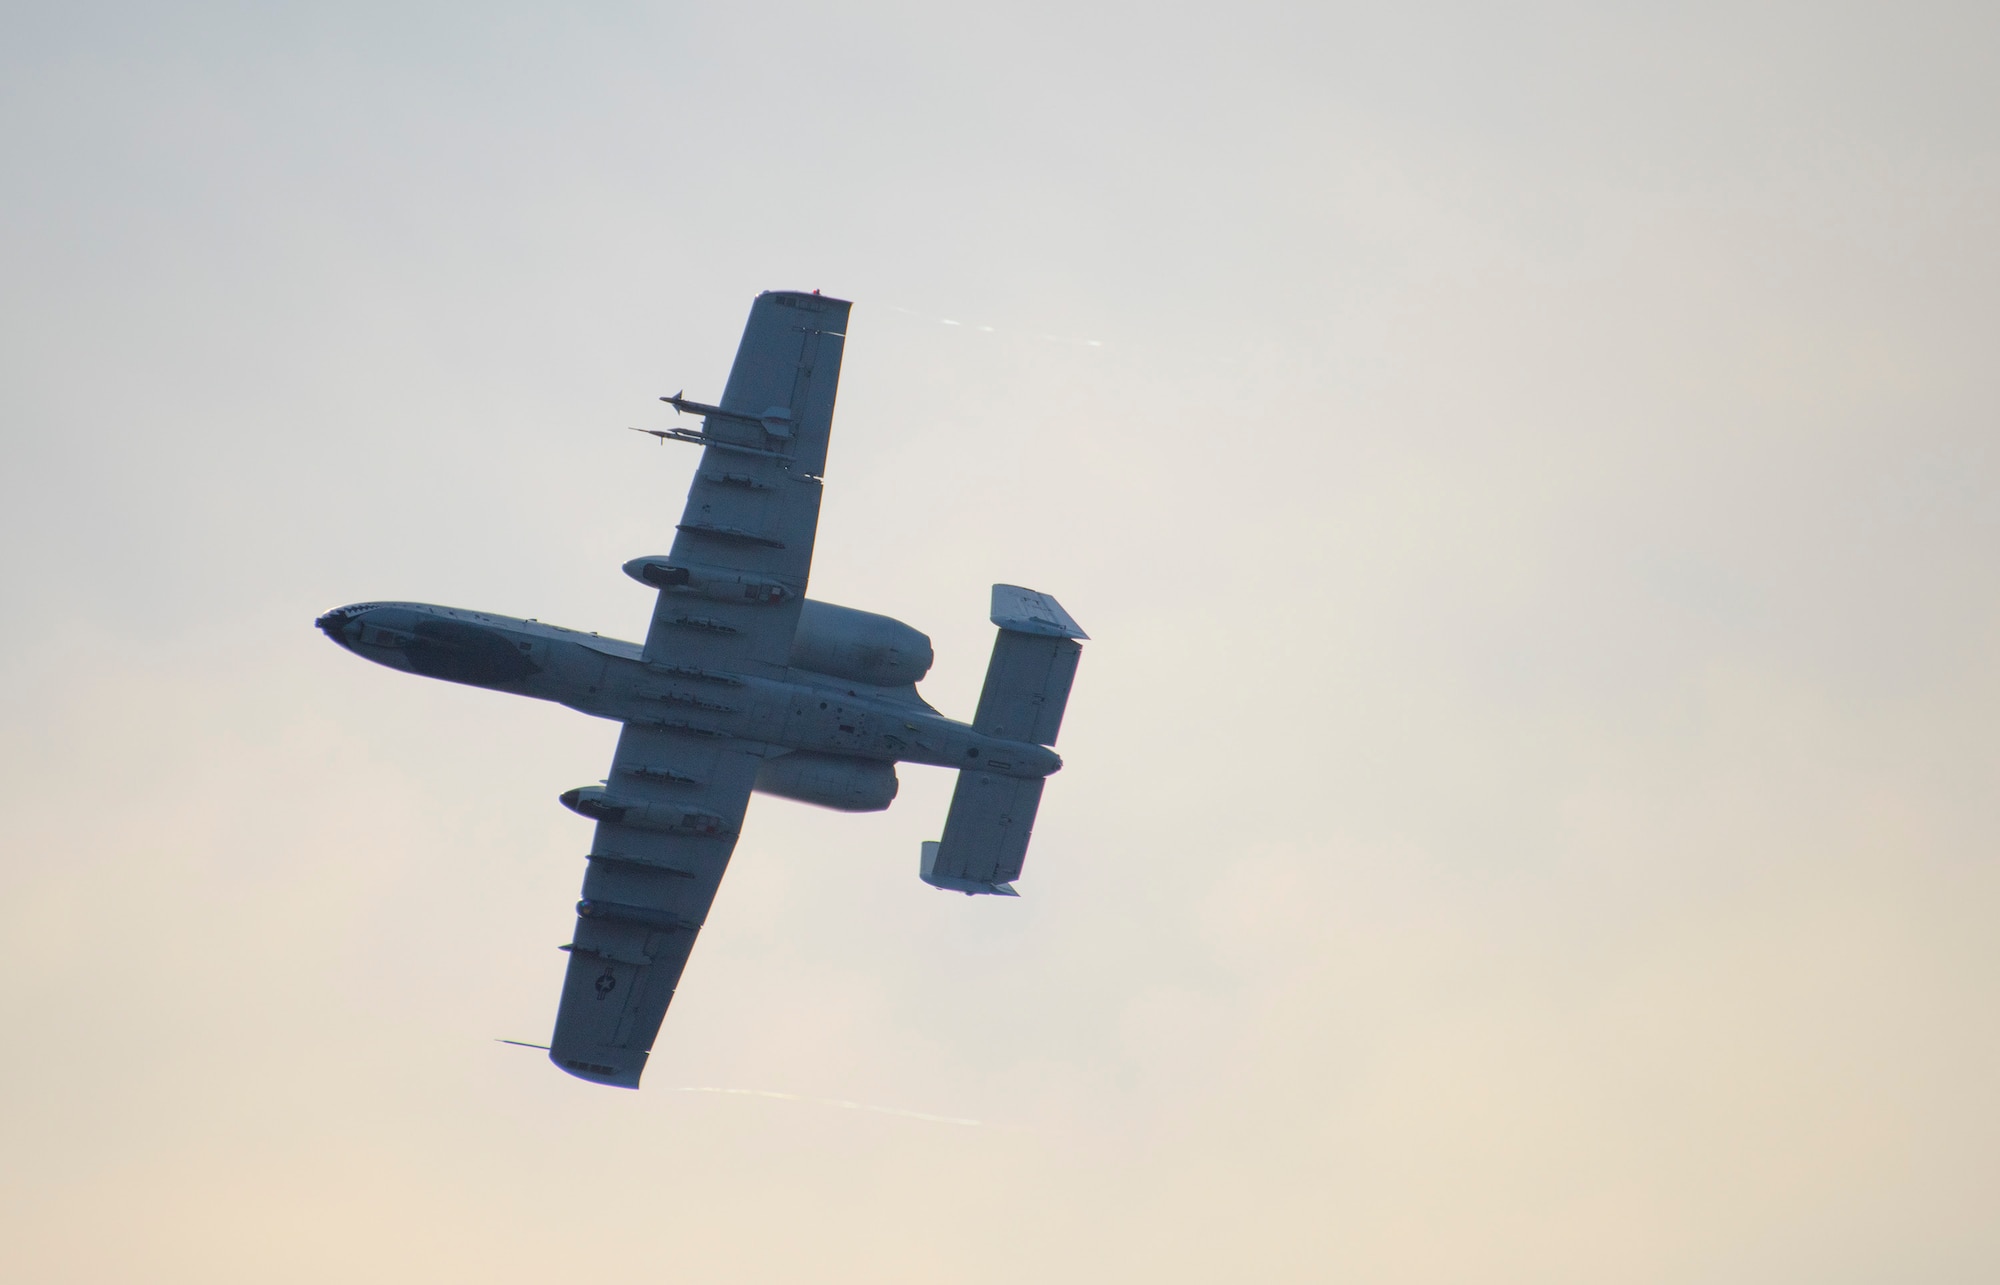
<point x="1531" y="474"/>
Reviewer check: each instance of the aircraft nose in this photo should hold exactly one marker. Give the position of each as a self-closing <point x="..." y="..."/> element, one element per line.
<point x="335" y="624"/>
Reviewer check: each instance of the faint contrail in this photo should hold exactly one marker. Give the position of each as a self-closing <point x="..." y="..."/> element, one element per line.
<point x="829" y="1102"/>
<point x="947" y="321"/>
<point x="796" y="1097"/>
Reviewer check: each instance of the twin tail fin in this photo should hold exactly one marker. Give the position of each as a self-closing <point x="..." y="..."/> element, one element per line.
<point x="1027" y="688"/>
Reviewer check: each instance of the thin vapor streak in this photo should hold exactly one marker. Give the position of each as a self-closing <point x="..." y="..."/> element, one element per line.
<point x="829" y="1102"/>
<point x="947" y="321"/>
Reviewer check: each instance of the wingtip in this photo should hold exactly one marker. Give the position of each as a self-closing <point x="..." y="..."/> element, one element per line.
<point x="1031" y="611"/>
<point x="614" y="1077"/>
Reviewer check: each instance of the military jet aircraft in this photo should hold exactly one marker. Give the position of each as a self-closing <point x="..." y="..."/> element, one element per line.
<point x="745" y="685"/>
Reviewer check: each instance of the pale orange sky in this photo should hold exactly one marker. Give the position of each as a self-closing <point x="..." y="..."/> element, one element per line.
<point x="1530" y="478"/>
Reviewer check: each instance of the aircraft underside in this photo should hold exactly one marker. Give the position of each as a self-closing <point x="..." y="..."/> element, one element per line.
<point x="744" y="685"/>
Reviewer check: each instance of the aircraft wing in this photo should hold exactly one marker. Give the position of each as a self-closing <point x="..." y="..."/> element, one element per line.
<point x="745" y="540"/>
<point x="646" y="893"/>
<point x="730" y="593"/>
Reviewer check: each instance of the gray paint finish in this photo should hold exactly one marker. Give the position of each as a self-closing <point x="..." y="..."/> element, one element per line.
<point x="742" y="685"/>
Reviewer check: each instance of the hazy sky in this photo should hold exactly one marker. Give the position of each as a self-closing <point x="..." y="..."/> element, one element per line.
<point x="1530" y="472"/>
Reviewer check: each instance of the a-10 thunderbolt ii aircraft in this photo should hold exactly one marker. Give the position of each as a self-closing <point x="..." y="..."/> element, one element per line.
<point x="744" y="685"/>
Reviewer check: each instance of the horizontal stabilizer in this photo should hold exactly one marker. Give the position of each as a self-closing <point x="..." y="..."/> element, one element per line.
<point x="985" y="834"/>
<point x="1033" y="665"/>
<point x="969" y="887"/>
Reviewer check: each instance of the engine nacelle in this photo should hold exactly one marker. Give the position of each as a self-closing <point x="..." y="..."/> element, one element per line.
<point x="859" y="646"/>
<point x="829" y="780"/>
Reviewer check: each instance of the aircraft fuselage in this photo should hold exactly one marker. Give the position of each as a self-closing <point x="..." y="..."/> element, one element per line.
<point x="609" y="678"/>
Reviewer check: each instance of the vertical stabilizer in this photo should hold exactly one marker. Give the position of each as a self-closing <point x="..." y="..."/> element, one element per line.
<point x="1033" y="665"/>
<point x="1027" y="688"/>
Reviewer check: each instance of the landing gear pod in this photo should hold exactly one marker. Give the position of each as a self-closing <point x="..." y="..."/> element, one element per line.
<point x="706" y="582"/>
<point x="599" y="804"/>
